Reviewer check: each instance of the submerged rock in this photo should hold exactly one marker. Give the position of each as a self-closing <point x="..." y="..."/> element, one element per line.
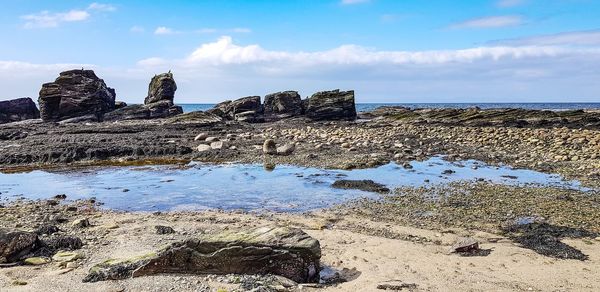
<point x="288" y="252"/>
<point x="282" y="105"/>
<point x="331" y="105"/>
<point x="18" y="110"/>
<point x="363" y="185"/>
<point x="75" y="93"/>
<point x="15" y="244"/>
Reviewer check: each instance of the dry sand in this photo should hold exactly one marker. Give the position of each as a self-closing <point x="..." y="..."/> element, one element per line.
<point x="420" y="256"/>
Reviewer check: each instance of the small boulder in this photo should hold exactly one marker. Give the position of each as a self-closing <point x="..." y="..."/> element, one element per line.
<point x="201" y="137"/>
<point x="62" y="242"/>
<point x="269" y="147"/>
<point x="66" y="256"/>
<point x="217" y="145"/>
<point x="286" y="149"/>
<point x="164" y="229"/>
<point x="81" y="223"/>
<point x="18" y="110"/>
<point x="203" y="148"/>
<point x="36" y="261"/>
<point x="465" y="245"/>
<point x="15" y="244"/>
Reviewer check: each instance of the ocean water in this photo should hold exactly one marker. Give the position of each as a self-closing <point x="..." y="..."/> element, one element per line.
<point x="188" y="107"/>
<point x="248" y="187"/>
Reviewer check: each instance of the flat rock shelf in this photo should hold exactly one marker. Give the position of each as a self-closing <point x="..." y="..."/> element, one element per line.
<point x="249" y="187"/>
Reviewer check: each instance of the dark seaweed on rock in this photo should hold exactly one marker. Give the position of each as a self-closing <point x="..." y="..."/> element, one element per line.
<point x="363" y="185"/>
<point x="544" y="239"/>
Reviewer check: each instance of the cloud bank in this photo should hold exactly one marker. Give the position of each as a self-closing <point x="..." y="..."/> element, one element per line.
<point x="534" y="69"/>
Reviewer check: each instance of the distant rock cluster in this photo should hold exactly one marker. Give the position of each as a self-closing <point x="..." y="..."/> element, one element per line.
<point x="18" y="110"/>
<point x="80" y="96"/>
<point x="326" y="105"/>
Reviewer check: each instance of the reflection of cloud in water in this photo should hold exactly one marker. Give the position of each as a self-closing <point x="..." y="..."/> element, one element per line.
<point x="249" y="186"/>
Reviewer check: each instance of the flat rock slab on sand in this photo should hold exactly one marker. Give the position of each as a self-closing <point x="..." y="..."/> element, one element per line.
<point x="283" y="251"/>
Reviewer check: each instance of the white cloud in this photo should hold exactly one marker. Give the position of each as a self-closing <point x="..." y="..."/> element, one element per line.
<point x="575" y="38"/>
<point x="224" y="69"/>
<point x="224" y="51"/>
<point x="102" y="7"/>
<point x="47" y="19"/>
<point x="490" y="22"/>
<point x="509" y="3"/>
<point x="350" y="2"/>
<point x="162" y="30"/>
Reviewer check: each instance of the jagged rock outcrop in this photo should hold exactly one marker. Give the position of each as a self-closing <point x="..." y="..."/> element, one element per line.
<point x="331" y="105"/>
<point x="18" y="110"/>
<point x="15" y="244"/>
<point x="283" y="251"/>
<point x="245" y="109"/>
<point x="282" y="105"/>
<point x="75" y="93"/>
<point x="158" y="103"/>
<point x="162" y="87"/>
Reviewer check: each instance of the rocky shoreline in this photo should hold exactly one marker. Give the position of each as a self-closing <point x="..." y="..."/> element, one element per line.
<point x="474" y="235"/>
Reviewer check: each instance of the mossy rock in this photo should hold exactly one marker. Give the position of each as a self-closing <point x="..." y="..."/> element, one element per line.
<point x="283" y="251"/>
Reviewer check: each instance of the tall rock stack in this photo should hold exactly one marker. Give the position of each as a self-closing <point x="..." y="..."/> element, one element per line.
<point x="18" y="110"/>
<point x="158" y="103"/>
<point x="162" y="88"/>
<point x="76" y="93"/>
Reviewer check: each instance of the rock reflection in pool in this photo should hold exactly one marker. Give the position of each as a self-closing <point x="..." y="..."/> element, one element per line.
<point x="247" y="186"/>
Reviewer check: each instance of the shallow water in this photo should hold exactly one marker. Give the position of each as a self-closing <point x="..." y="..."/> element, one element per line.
<point x="247" y="186"/>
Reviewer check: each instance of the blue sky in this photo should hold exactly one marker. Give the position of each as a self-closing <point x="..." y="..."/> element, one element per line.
<point x="388" y="51"/>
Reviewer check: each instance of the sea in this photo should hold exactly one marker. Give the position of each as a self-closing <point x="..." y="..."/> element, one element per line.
<point x="361" y="107"/>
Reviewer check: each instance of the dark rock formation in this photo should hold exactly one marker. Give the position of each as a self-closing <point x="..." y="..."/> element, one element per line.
<point x="282" y="105"/>
<point x="501" y="117"/>
<point x="162" y="87"/>
<point x="75" y="93"/>
<point x="158" y="103"/>
<point x="363" y="185"/>
<point x="16" y="244"/>
<point x="283" y="251"/>
<point x="331" y="105"/>
<point x="120" y="104"/>
<point x="160" y="109"/>
<point x="246" y="109"/>
<point x="18" y="110"/>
